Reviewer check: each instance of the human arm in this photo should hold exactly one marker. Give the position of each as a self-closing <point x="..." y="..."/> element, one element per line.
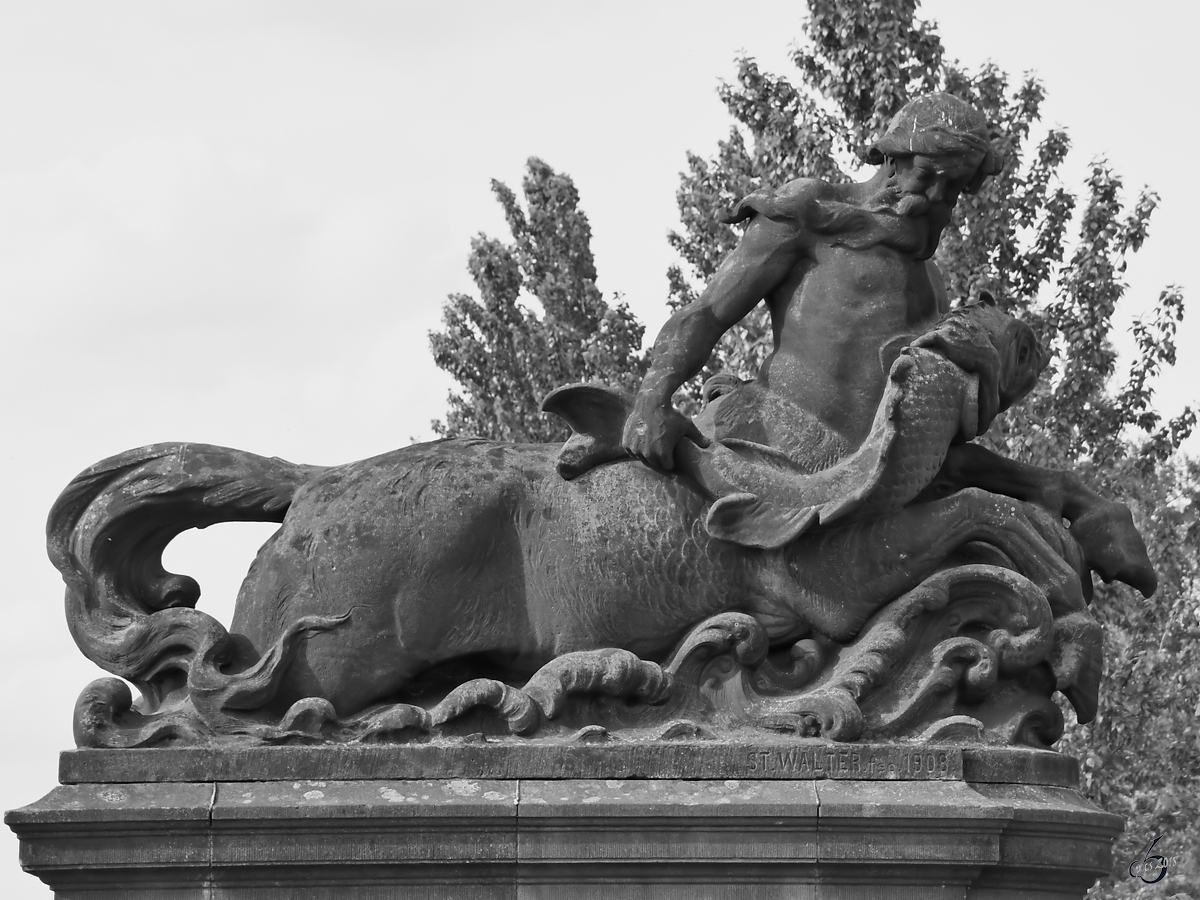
<point x="768" y="252"/>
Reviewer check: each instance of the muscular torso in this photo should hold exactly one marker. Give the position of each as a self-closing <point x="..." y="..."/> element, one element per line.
<point x="848" y="284"/>
<point x="839" y="320"/>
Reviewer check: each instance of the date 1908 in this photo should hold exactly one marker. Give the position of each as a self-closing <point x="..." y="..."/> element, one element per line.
<point x="925" y="763"/>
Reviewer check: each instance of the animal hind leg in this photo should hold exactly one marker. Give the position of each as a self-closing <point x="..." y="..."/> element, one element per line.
<point x="847" y="573"/>
<point x="1103" y="528"/>
<point x="878" y="561"/>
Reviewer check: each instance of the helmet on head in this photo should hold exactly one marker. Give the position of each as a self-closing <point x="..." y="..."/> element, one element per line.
<point x="939" y="125"/>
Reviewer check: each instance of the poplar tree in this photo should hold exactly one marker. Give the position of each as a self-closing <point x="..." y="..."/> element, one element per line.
<point x="539" y="320"/>
<point x="1056" y="258"/>
<point x="1052" y="253"/>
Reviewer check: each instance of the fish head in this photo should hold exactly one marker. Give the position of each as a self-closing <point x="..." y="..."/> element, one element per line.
<point x="1022" y="357"/>
<point x="1022" y="361"/>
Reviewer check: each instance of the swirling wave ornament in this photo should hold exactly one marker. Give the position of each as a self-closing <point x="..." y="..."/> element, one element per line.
<point x="218" y="695"/>
<point x="515" y="708"/>
<point x="956" y="667"/>
<point x="710" y="668"/>
<point x="1021" y="712"/>
<point x="306" y="721"/>
<point x="609" y="672"/>
<point x="801" y="666"/>
<point x="942" y="644"/>
<point x="394" y="724"/>
<point x="732" y="632"/>
<point x="965" y="656"/>
<point x="104" y="717"/>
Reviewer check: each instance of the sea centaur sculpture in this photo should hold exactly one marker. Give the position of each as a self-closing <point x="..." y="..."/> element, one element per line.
<point x="822" y="551"/>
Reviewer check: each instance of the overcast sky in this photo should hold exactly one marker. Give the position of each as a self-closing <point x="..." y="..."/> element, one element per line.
<point x="236" y="223"/>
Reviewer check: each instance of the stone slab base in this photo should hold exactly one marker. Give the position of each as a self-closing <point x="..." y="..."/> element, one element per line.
<point x="594" y="839"/>
<point x="785" y="759"/>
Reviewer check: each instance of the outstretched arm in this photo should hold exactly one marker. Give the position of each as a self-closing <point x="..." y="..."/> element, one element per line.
<point x="766" y="255"/>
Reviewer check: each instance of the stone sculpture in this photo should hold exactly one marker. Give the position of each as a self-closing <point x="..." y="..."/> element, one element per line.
<point x="823" y="551"/>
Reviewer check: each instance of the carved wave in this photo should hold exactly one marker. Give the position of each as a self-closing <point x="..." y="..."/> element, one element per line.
<point x="963" y="657"/>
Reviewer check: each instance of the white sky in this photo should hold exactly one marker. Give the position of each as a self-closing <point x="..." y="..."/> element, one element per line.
<point x="235" y="223"/>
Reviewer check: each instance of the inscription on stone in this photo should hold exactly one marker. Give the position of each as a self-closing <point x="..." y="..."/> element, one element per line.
<point x="804" y="760"/>
<point x="855" y="763"/>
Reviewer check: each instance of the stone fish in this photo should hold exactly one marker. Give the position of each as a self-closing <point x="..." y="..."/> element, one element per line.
<point x="762" y="497"/>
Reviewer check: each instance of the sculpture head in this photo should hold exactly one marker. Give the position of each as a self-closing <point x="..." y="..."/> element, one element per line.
<point x="1022" y="357"/>
<point x="940" y="127"/>
<point x="936" y="148"/>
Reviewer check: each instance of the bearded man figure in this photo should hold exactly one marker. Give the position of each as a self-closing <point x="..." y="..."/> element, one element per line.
<point x="847" y="274"/>
<point x="469" y="552"/>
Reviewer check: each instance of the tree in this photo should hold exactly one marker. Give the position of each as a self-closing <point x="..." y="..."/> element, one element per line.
<point x="1019" y="239"/>
<point x="859" y="63"/>
<point x="504" y="354"/>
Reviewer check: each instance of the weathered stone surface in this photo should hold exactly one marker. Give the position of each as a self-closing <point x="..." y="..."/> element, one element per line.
<point x="822" y="551"/>
<point x="796" y="759"/>
<point x="668" y="759"/>
<point x="353" y="822"/>
<point x="1019" y="765"/>
<point x="152" y="837"/>
<point x="514" y="671"/>
<point x="1035" y="858"/>
<point x="667" y="821"/>
<point x="908" y="821"/>
<point x="602" y="838"/>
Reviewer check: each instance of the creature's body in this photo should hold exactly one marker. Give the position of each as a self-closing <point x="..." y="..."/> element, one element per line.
<point x="463" y="548"/>
<point x="466" y="548"/>
<point x="473" y="549"/>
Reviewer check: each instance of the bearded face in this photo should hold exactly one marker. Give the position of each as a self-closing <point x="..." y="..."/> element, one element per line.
<point x="926" y="189"/>
<point x="907" y="205"/>
<point x="918" y="184"/>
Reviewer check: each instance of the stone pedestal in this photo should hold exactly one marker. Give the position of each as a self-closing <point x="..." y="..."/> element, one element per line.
<point x="797" y="819"/>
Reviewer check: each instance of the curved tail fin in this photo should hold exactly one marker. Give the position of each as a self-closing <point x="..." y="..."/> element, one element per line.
<point x="106" y="534"/>
<point x="596" y="414"/>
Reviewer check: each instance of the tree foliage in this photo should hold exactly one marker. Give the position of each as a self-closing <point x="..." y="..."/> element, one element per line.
<point x="1056" y="258"/>
<point x="1054" y="255"/>
<point x="505" y="354"/>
